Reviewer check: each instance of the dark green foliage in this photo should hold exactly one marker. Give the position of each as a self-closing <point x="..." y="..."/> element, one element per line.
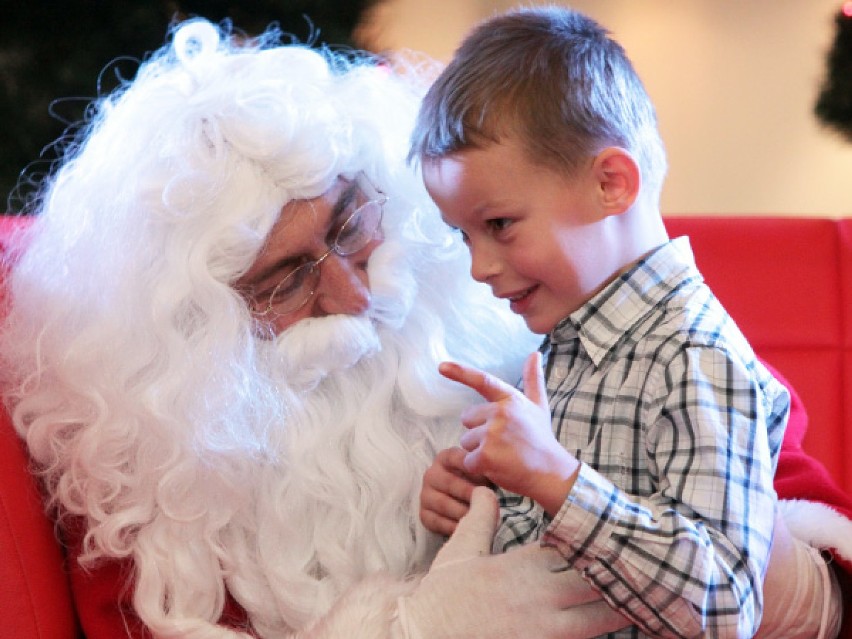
<point x="56" y="56"/>
<point x="834" y="104"/>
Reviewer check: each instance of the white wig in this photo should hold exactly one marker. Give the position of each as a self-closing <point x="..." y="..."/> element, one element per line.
<point x="279" y="472"/>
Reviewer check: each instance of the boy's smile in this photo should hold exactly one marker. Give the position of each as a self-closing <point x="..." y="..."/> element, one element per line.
<point x="539" y="238"/>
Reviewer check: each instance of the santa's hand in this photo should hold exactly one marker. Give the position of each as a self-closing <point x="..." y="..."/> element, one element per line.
<point x="469" y="593"/>
<point x="510" y="439"/>
<point x="801" y="598"/>
<point x="446" y="491"/>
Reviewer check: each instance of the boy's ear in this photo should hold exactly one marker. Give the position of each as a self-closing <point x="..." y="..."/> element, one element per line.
<point x="619" y="179"/>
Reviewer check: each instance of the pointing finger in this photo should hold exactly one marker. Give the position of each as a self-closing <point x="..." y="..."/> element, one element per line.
<point x="490" y="387"/>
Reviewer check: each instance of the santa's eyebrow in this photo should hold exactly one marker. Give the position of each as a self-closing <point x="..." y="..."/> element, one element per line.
<point x="341" y="206"/>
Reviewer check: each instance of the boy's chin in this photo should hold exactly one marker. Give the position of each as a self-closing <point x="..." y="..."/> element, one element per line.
<point x="539" y="326"/>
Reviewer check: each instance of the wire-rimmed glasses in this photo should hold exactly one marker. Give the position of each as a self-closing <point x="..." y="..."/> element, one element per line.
<point x="299" y="285"/>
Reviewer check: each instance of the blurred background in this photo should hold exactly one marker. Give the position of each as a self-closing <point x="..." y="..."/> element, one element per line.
<point x="736" y="84"/>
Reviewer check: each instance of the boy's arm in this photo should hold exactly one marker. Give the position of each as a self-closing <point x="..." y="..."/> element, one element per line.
<point x="688" y="559"/>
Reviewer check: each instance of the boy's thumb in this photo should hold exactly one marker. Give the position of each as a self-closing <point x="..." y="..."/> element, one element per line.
<point x="474" y="532"/>
<point x="534" y="387"/>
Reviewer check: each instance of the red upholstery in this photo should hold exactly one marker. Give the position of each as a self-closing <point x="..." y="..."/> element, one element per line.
<point x="34" y="596"/>
<point x="787" y="282"/>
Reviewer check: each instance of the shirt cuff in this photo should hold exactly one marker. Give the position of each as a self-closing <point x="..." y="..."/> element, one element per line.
<point x="584" y="527"/>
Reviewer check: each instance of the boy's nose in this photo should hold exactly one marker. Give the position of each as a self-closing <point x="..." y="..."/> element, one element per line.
<point x="483" y="264"/>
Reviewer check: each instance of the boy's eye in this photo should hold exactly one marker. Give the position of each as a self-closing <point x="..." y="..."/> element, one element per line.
<point x="498" y="224"/>
<point x="464" y="236"/>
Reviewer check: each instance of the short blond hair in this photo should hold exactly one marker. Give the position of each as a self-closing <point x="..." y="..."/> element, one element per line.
<point x="552" y="78"/>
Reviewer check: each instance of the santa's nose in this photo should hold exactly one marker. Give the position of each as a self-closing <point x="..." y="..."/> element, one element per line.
<point x="344" y="286"/>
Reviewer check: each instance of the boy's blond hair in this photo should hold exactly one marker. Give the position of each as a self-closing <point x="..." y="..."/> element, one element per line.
<point x="554" y="79"/>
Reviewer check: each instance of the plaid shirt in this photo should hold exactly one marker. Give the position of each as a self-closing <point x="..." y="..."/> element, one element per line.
<point x="678" y="428"/>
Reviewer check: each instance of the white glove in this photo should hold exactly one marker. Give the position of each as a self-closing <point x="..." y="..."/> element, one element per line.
<point x="801" y="595"/>
<point x="472" y="594"/>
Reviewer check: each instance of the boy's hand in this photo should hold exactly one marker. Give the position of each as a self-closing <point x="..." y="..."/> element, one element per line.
<point x="510" y="439"/>
<point x="446" y="492"/>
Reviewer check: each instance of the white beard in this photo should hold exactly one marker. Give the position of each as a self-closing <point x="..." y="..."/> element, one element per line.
<point x="340" y="500"/>
<point x="279" y="472"/>
<point x="306" y="353"/>
<point x="334" y="496"/>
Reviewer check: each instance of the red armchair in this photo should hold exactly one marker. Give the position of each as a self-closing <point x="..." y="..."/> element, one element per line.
<point x="786" y="281"/>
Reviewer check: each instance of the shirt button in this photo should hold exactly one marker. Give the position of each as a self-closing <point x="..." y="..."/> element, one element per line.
<point x="560" y="372"/>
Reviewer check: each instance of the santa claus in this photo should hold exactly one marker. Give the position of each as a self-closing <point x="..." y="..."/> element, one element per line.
<point x="221" y="349"/>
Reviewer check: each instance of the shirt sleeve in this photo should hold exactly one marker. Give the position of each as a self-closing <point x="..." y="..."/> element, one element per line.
<point x="522" y="521"/>
<point x="687" y="560"/>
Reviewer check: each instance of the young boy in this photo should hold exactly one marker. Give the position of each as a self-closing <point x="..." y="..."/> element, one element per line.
<point x="647" y="459"/>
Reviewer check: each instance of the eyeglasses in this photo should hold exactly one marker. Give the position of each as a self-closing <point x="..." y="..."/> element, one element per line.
<point x="298" y="286"/>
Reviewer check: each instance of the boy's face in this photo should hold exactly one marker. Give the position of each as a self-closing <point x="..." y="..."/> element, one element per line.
<point x="537" y="237"/>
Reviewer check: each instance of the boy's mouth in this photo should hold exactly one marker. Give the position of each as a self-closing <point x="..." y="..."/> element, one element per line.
<point x="521" y="295"/>
<point x="518" y="301"/>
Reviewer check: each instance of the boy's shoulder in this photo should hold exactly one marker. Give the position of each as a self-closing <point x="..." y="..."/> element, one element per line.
<point x="687" y="311"/>
<point x="656" y="310"/>
<point x="694" y="326"/>
<point x="694" y="317"/>
<point x="689" y="317"/>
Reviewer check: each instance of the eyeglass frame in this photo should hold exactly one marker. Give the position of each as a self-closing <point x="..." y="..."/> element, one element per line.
<point x="376" y="198"/>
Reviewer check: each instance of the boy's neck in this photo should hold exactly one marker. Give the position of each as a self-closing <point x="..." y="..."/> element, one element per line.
<point x="640" y="231"/>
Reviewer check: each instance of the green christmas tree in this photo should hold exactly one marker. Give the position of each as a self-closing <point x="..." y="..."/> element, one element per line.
<point x="55" y="57"/>
<point x="834" y="104"/>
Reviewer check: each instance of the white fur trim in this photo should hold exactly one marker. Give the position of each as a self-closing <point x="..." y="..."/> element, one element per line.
<point x="818" y="525"/>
